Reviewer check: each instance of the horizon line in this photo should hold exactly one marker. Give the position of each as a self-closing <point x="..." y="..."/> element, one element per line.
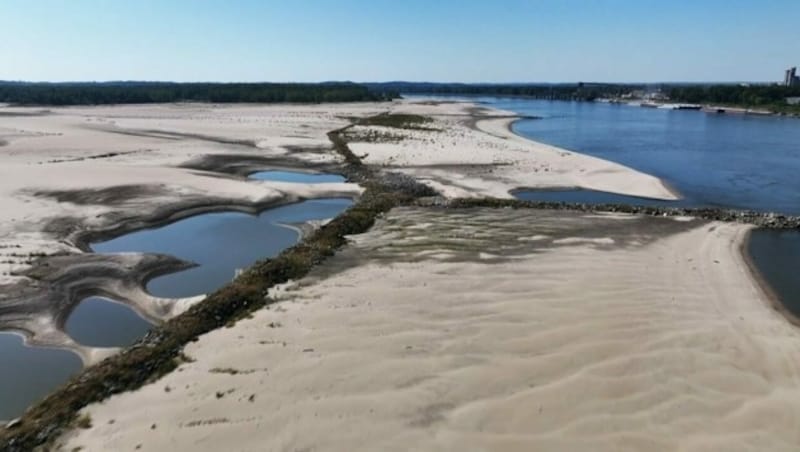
<point x="109" y="81"/>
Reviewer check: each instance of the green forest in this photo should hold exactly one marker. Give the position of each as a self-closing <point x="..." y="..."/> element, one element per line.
<point x="564" y="91"/>
<point x="771" y="97"/>
<point x="20" y="93"/>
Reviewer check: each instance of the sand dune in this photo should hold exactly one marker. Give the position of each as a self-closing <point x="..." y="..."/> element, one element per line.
<point x="490" y="330"/>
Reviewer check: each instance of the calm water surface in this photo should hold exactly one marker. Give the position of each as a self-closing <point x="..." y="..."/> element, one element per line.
<point x="28" y="373"/>
<point x="297" y="177"/>
<point x="100" y="322"/>
<point x="776" y="255"/>
<point x="220" y="243"/>
<point x="737" y="161"/>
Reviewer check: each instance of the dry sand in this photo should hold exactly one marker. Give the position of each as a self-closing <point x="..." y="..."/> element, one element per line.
<point x="64" y="171"/>
<point x="91" y="149"/>
<point x="490" y="330"/>
<point x="438" y="330"/>
<point x="471" y="152"/>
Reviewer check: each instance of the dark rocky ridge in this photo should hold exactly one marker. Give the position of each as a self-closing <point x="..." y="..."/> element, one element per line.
<point x="760" y="219"/>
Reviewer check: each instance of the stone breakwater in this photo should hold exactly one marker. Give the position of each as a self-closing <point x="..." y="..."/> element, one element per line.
<point x="768" y="220"/>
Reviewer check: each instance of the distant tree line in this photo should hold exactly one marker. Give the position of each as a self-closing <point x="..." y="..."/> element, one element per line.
<point x="771" y="97"/>
<point x="22" y="93"/>
<point x="567" y="91"/>
<point x="743" y="95"/>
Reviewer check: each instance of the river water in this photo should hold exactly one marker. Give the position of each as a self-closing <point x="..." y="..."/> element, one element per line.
<point x="736" y="161"/>
<point x="713" y="160"/>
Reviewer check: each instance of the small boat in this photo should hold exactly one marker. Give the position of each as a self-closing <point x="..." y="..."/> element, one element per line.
<point x="650" y="105"/>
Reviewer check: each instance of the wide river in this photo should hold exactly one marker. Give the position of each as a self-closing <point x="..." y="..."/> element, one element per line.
<point x="737" y="161"/>
<point x="732" y="161"/>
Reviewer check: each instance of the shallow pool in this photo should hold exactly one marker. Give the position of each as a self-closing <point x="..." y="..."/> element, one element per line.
<point x="29" y="373"/>
<point x="776" y="255"/>
<point x="297" y="177"/>
<point x="221" y="243"/>
<point x="101" y="322"/>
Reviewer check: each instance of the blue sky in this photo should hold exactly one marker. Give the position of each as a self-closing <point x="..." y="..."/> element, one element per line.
<point x="379" y="40"/>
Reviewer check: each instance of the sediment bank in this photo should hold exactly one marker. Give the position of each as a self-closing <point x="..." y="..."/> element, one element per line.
<point x="160" y="351"/>
<point x="501" y="329"/>
<point x="387" y="186"/>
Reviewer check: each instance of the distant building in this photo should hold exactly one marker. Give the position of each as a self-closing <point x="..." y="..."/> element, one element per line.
<point x="793" y="100"/>
<point x="791" y="78"/>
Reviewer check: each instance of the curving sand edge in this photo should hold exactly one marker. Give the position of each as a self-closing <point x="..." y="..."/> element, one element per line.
<point x="490" y="329"/>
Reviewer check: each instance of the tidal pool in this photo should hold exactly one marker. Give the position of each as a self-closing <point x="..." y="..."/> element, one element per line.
<point x="101" y="322"/>
<point x="776" y="254"/>
<point x="297" y="177"/>
<point x="29" y="373"/>
<point x="221" y="243"/>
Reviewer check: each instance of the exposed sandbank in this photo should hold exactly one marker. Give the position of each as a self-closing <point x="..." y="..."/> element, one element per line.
<point x="491" y="329"/>
<point x="433" y="156"/>
<point x="79" y="174"/>
<point x="470" y="152"/>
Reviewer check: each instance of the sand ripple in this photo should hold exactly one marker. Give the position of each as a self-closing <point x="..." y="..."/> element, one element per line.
<point x="654" y="339"/>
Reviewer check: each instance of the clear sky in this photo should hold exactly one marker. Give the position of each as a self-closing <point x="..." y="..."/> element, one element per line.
<point x="381" y="40"/>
